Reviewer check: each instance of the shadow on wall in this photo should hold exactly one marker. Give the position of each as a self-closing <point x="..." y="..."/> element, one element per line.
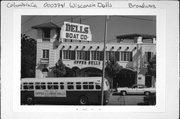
<point x="91" y="72"/>
<point x="125" y="78"/>
<point x="133" y="64"/>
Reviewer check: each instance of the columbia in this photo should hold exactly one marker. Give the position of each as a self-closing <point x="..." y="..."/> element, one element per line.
<point x="22" y="4"/>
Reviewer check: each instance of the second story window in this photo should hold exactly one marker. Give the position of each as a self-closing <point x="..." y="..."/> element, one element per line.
<point x="68" y="54"/>
<point x="83" y="55"/>
<point x="45" y="54"/>
<point x="95" y="55"/>
<point x="46" y="34"/>
<point x="126" y="56"/>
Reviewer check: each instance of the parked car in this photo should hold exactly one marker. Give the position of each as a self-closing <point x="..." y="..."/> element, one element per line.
<point x="136" y="89"/>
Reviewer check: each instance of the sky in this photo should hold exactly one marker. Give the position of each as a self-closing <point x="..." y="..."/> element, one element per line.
<point x="117" y="25"/>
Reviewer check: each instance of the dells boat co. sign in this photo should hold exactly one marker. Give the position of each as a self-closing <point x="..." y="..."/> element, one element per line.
<point x="76" y="31"/>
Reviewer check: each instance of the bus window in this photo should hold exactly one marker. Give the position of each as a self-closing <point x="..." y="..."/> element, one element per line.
<point x="85" y="82"/>
<point x="70" y="85"/>
<point x="43" y="85"/>
<point x="91" y="85"/>
<point x="37" y="85"/>
<point x="31" y="85"/>
<point x="55" y="85"/>
<point x="25" y="85"/>
<point x="61" y="85"/>
<point x="78" y="85"/>
<point x="98" y="86"/>
<point x="49" y="86"/>
<point x="85" y="85"/>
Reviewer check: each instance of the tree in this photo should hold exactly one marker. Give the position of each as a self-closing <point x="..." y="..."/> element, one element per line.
<point x="112" y="69"/>
<point x="151" y="69"/>
<point x="28" y="56"/>
<point x="60" y="69"/>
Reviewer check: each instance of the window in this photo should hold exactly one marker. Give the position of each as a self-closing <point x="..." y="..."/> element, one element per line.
<point x="46" y="54"/>
<point x="55" y="85"/>
<point x="25" y="85"/>
<point x="52" y="85"/>
<point x="148" y="55"/>
<point x="98" y="86"/>
<point x="126" y="56"/>
<point x="78" y="85"/>
<point x="68" y="54"/>
<point x="111" y="55"/>
<point x="60" y="54"/>
<point x="91" y="85"/>
<point x="83" y="55"/>
<point x="46" y="35"/>
<point x="101" y="55"/>
<point x="43" y="85"/>
<point x="116" y="56"/>
<point x="49" y="86"/>
<point x="37" y="85"/>
<point x="70" y="85"/>
<point x="61" y="85"/>
<point x="40" y="86"/>
<point x="95" y="55"/>
<point x="87" y="85"/>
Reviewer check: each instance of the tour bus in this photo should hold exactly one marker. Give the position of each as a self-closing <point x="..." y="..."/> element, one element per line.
<point x="66" y="90"/>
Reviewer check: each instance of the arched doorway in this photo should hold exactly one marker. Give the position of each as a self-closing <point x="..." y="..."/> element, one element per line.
<point x="126" y="78"/>
<point x="91" y="72"/>
<point x="76" y="71"/>
<point x="69" y="72"/>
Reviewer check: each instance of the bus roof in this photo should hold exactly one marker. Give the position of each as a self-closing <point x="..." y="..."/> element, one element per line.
<point x="63" y="79"/>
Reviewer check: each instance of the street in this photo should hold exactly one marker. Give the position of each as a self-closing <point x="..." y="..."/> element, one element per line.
<point x="116" y="99"/>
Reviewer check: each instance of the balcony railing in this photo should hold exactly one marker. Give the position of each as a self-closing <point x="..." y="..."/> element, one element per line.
<point x="44" y="61"/>
<point x="46" y="39"/>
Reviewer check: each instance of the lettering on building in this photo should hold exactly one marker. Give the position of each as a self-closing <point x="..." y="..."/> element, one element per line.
<point x="87" y="62"/>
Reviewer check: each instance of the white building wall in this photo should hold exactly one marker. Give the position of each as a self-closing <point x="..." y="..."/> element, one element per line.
<point x="138" y="52"/>
<point x="39" y="35"/>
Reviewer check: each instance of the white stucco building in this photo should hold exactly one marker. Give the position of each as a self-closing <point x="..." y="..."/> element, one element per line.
<point x="85" y="58"/>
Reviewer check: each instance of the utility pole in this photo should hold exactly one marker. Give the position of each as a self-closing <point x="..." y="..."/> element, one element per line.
<point x="50" y="18"/>
<point x="104" y="59"/>
<point x="80" y="20"/>
<point x="71" y="19"/>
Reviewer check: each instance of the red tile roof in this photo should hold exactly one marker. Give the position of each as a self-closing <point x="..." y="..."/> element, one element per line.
<point x="46" y="25"/>
<point x="131" y="36"/>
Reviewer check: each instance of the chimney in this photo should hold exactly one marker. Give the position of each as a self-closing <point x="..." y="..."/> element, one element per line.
<point x="139" y="39"/>
<point x="154" y="40"/>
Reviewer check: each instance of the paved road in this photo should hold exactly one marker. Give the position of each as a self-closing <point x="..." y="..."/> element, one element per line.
<point x="116" y="99"/>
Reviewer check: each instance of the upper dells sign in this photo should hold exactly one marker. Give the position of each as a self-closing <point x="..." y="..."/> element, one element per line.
<point x="76" y="31"/>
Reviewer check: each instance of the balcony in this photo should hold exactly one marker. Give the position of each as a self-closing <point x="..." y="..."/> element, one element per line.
<point x="46" y="39"/>
<point x="44" y="61"/>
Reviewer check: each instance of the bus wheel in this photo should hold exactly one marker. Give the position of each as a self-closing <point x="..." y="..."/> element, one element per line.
<point x="83" y="100"/>
<point x="147" y="93"/>
<point x="29" y="100"/>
